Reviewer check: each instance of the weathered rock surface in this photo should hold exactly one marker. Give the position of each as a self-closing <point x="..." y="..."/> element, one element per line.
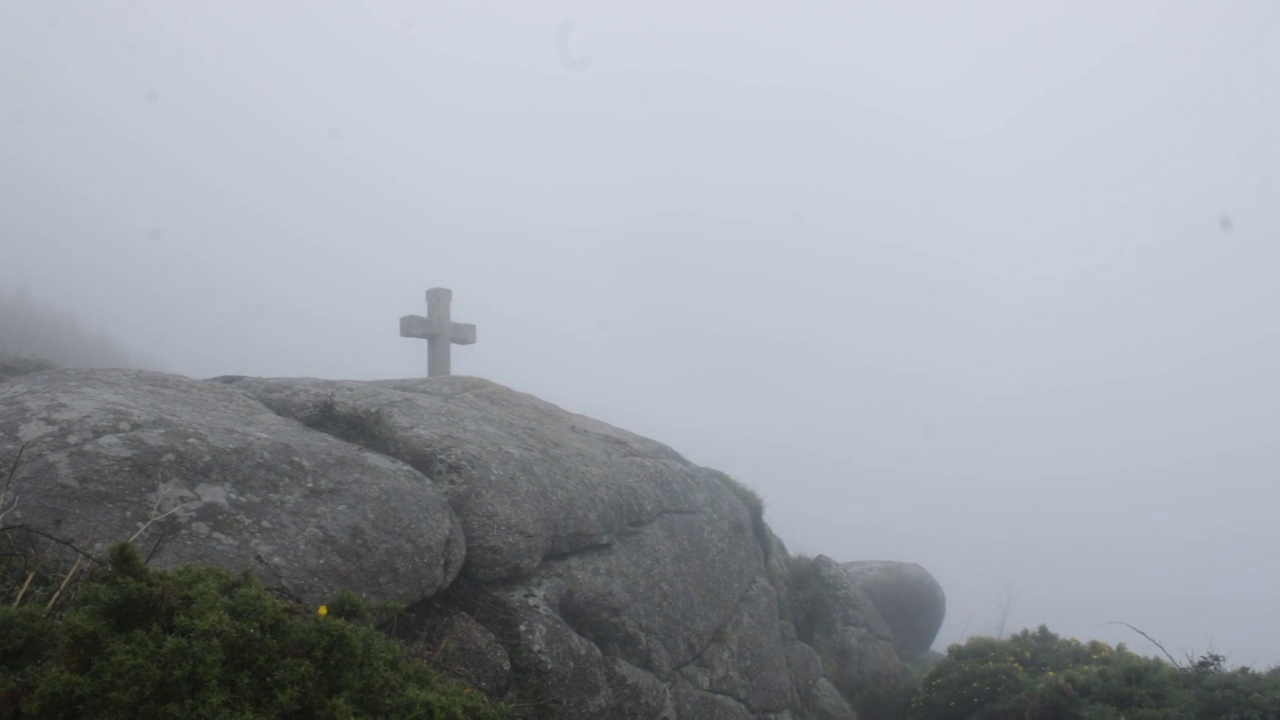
<point x="819" y="698"/>
<point x="604" y="575"/>
<point x="528" y="480"/>
<point x="846" y="630"/>
<point x="612" y="561"/>
<point x="468" y="650"/>
<point x="228" y="483"/>
<point x="909" y="599"/>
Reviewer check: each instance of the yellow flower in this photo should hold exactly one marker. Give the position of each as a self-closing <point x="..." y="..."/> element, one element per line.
<point x="324" y="610"/>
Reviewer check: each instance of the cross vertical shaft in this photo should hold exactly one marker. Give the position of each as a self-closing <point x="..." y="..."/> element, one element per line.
<point x="439" y="330"/>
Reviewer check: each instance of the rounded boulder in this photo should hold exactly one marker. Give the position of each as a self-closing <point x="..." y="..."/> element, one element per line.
<point x="909" y="599"/>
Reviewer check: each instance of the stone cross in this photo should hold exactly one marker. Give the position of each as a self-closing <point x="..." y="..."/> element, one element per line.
<point x="438" y="330"/>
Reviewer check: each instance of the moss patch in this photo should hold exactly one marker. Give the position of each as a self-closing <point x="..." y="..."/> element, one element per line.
<point x="371" y="429"/>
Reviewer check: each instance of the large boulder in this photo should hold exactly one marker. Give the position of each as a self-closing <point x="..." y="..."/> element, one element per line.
<point x="623" y="580"/>
<point x="528" y="480"/>
<point x="196" y="472"/>
<point x="553" y="560"/>
<point x="909" y="599"/>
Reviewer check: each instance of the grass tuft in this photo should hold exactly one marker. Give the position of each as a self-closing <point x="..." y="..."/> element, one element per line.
<point x="754" y="504"/>
<point x="371" y="428"/>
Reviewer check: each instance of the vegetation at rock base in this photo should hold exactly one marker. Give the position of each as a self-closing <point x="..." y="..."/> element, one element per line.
<point x="891" y="702"/>
<point x="1038" y="674"/>
<point x="121" y="640"/>
<point x="128" y="641"/>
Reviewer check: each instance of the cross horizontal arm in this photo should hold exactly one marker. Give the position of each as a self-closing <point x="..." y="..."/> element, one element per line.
<point x="416" y="326"/>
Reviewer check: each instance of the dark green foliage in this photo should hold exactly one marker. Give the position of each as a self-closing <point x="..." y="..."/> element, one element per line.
<point x="892" y="702"/>
<point x="370" y="428"/>
<point x="805" y="587"/>
<point x="1239" y="693"/>
<point x="884" y="703"/>
<point x="1039" y="675"/>
<point x="202" y="643"/>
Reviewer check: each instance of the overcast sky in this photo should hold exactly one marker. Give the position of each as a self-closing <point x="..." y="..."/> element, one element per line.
<point x="988" y="286"/>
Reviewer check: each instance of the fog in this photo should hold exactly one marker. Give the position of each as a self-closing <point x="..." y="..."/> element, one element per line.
<point x="987" y="286"/>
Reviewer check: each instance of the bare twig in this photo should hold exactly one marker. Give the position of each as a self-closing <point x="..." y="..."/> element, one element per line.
<point x="154" y="518"/>
<point x="164" y="530"/>
<point x="1148" y="637"/>
<point x="23" y="591"/>
<point x="536" y="703"/>
<point x="4" y="497"/>
<point x="1007" y="602"/>
<point x="13" y="467"/>
<point x="155" y="510"/>
<point x="31" y="576"/>
<point x="65" y="543"/>
<point x="71" y="574"/>
<point x="7" y="491"/>
<point x="65" y="582"/>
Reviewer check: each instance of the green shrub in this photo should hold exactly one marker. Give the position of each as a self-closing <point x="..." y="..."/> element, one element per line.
<point x="1037" y="674"/>
<point x="203" y="643"/>
<point x="805" y="588"/>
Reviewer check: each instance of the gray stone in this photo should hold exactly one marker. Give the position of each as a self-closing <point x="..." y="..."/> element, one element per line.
<point x="201" y="473"/>
<point x="606" y="630"/>
<point x="818" y="698"/>
<point x="619" y="560"/>
<point x="527" y="479"/>
<point x="641" y="693"/>
<point x="439" y="330"/>
<point x="828" y="704"/>
<point x="467" y="650"/>
<point x="846" y="630"/>
<point x="604" y="575"/>
<point x="909" y="599"/>
<point x="778" y="569"/>
<point x="747" y="658"/>
<point x="704" y="705"/>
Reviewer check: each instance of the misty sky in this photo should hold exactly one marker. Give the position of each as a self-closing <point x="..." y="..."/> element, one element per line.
<point x="988" y="286"/>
